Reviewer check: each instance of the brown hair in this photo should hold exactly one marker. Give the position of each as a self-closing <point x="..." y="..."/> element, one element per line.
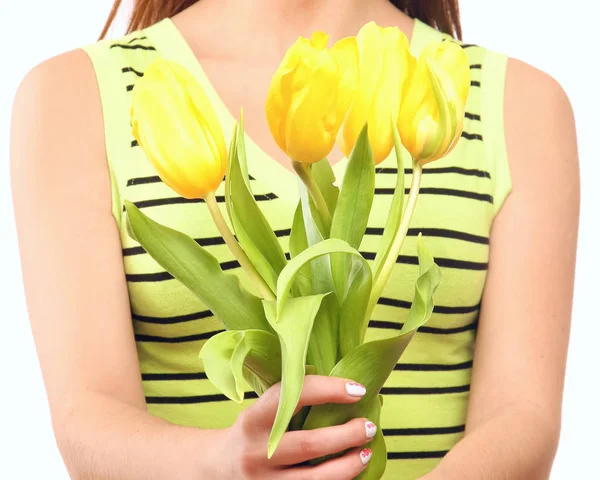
<point x="440" y="14"/>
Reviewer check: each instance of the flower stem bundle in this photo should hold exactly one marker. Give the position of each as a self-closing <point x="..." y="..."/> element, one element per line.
<point x="310" y="311"/>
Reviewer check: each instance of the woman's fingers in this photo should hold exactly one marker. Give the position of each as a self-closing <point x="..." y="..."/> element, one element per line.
<point x="300" y="446"/>
<point x="346" y="467"/>
<point x="317" y="390"/>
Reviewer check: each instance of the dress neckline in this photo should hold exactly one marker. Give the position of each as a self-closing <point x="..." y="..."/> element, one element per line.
<point x="172" y="45"/>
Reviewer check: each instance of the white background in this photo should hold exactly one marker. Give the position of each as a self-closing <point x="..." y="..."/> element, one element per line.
<point x="541" y="32"/>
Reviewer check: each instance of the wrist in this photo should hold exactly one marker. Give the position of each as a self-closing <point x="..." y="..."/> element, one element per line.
<point x="204" y="454"/>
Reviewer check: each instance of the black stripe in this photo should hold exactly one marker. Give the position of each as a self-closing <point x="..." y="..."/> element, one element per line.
<point x="152" y="377"/>
<point x="137" y="39"/>
<point x="143" y="180"/>
<point x="475" y="83"/>
<point x="130" y="87"/>
<point x="392" y="302"/>
<point x="437" y="232"/>
<point x="484" y="197"/>
<point x="444" y="233"/>
<point x="156" y="202"/>
<point x="265" y="196"/>
<point x="473" y="116"/>
<point x="171" y="320"/>
<point x="132" y="70"/>
<point x="476" y="66"/>
<point x="404" y="259"/>
<point x="412" y="232"/>
<point x="194" y="399"/>
<point x="187" y="338"/>
<point x="422" y="431"/>
<point x="132" y="182"/>
<point x="470" y="172"/>
<point x="159" y="377"/>
<point x="432" y="367"/>
<point x="164" y="276"/>
<point x="186" y="400"/>
<point x="203" y="242"/>
<point x="424" y="329"/>
<point x="424" y="390"/>
<point x="472" y="136"/>
<point x="442" y="262"/>
<point x="468" y="45"/>
<point x="415" y="455"/>
<point x="132" y="47"/>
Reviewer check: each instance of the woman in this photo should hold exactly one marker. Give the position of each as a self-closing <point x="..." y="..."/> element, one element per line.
<point x="500" y="215"/>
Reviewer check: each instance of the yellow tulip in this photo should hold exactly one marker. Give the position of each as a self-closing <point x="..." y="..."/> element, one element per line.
<point x="433" y="108"/>
<point x="308" y="99"/>
<point x="176" y="126"/>
<point x="383" y="60"/>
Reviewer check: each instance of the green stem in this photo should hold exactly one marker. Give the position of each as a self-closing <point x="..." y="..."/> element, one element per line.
<point x="303" y="171"/>
<point x="389" y="262"/>
<point x="234" y="247"/>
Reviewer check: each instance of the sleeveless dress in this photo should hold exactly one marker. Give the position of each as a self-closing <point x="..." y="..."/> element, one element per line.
<point x="426" y="397"/>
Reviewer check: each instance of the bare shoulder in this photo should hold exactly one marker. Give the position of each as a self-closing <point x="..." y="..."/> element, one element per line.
<point x="540" y="128"/>
<point x="59" y="84"/>
<point x="57" y="124"/>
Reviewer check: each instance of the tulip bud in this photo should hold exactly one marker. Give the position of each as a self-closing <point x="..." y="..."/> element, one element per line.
<point x="308" y="100"/>
<point x="433" y="108"/>
<point x="383" y="63"/>
<point x="176" y="126"/>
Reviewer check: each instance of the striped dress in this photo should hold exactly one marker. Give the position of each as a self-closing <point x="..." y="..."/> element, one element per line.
<point x="427" y="395"/>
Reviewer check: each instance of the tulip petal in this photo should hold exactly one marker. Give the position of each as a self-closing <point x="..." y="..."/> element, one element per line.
<point x="431" y="115"/>
<point x="280" y="93"/>
<point x="178" y="130"/>
<point x="312" y="124"/>
<point x="370" y="45"/>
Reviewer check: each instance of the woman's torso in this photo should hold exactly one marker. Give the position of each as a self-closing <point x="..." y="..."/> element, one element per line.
<point x="426" y="396"/>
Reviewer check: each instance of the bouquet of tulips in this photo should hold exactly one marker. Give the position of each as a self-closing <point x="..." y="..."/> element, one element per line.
<point x="310" y="313"/>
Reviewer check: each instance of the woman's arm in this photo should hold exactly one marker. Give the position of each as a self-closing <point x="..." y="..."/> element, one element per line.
<point x="79" y="310"/>
<point x="75" y="284"/>
<point x="514" y="415"/>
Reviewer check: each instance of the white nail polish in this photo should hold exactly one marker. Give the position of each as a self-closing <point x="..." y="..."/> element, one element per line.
<point x="365" y="455"/>
<point x="370" y="429"/>
<point x="355" y="389"/>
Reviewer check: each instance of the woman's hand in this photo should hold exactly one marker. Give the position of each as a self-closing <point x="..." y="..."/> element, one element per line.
<point x="247" y="439"/>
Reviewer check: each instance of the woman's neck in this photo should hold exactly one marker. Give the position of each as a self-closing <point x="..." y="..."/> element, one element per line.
<point x="273" y="25"/>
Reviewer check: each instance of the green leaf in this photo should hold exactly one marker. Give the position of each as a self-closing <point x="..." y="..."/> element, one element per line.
<point x="199" y="271"/>
<point x="293" y="326"/>
<point x="255" y="235"/>
<point x="353" y="207"/>
<point x="299" y="243"/>
<point x="322" y="352"/>
<point x="237" y="356"/>
<point x="371" y="363"/>
<point x="351" y="322"/>
<point x="376" y="467"/>
<point x="324" y="177"/>
<point x="230" y="156"/>
<point x="287" y="275"/>
<point x="395" y="216"/>
<point x="241" y="151"/>
<point x="323" y="347"/>
<point x="356" y="196"/>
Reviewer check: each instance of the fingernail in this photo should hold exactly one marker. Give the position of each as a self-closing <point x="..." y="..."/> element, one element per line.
<point x="370" y="429"/>
<point x="355" y="389"/>
<point x="365" y="455"/>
